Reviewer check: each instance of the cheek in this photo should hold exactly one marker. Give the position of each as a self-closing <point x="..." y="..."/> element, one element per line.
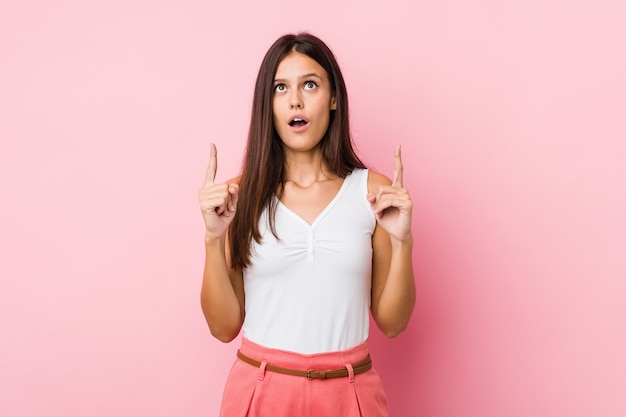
<point x="325" y="108"/>
<point x="275" y="110"/>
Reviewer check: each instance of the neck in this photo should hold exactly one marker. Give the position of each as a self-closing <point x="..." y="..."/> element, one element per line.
<point x="306" y="168"/>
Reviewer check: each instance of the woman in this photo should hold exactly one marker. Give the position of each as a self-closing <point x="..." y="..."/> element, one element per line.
<point x="303" y="246"/>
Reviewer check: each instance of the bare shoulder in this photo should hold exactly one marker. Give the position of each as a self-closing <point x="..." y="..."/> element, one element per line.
<point x="376" y="180"/>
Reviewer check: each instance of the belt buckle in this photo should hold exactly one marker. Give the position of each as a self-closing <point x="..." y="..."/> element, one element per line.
<point x="315" y="374"/>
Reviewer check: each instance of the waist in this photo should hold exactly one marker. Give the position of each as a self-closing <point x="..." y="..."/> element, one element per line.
<point x="295" y="360"/>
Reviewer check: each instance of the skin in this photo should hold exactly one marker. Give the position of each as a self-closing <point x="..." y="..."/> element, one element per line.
<point x="302" y="88"/>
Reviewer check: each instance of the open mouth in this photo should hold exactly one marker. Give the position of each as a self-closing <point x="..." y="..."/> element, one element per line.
<point x="297" y="121"/>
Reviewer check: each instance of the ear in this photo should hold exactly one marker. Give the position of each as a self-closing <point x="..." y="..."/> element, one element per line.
<point x="333" y="103"/>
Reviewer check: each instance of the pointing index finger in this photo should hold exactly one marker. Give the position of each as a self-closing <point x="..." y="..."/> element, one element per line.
<point x="210" y="173"/>
<point x="397" y="168"/>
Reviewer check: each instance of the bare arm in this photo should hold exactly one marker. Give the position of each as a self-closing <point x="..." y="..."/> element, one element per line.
<point x="222" y="295"/>
<point x="393" y="286"/>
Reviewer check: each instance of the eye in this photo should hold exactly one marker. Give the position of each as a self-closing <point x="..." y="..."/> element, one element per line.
<point x="310" y="85"/>
<point x="279" y="88"/>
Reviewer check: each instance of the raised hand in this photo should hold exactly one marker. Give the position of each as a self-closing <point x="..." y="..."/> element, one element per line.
<point x="218" y="202"/>
<point x="392" y="204"/>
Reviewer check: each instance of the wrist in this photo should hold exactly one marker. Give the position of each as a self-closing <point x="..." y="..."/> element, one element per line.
<point x="398" y="244"/>
<point x="210" y="240"/>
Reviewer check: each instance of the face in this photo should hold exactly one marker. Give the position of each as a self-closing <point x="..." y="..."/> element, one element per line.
<point x="302" y="102"/>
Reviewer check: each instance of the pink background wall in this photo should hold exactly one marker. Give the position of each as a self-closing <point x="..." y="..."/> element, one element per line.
<point x="512" y="117"/>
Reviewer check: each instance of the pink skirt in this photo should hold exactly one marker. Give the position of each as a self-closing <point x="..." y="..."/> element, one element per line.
<point x="255" y="392"/>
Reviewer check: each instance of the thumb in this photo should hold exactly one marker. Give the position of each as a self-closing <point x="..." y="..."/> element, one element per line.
<point x="371" y="198"/>
<point x="233" y="190"/>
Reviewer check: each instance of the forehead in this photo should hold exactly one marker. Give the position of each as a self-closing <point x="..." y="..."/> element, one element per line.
<point x="296" y="65"/>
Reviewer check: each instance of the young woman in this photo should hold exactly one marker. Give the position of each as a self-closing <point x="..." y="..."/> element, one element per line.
<point x="303" y="246"/>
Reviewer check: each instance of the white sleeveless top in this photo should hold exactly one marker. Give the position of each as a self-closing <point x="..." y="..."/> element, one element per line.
<point x="309" y="292"/>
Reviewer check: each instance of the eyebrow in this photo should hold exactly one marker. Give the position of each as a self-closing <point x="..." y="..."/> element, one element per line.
<point x="309" y="75"/>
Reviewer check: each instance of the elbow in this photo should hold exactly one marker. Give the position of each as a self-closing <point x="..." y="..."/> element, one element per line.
<point x="395" y="330"/>
<point x="223" y="326"/>
<point x="391" y="325"/>
<point x="224" y="332"/>
<point x="223" y="336"/>
<point x="392" y="333"/>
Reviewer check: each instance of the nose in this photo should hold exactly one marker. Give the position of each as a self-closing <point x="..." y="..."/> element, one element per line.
<point x="295" y="100"/>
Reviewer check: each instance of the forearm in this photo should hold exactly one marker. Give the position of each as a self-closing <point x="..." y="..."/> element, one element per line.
<point x="396" y="300"/>
<point x="221" y="305"/>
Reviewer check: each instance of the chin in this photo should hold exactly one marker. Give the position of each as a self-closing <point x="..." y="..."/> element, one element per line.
<point x="301" y="144"/>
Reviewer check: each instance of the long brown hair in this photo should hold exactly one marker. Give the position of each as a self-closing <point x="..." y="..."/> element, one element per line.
<point x="263" y="171"/>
